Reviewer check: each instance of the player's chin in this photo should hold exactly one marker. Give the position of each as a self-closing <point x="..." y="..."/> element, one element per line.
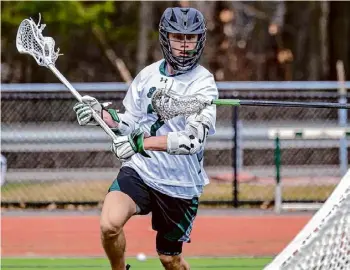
<point x="183" y="57"/>
<point x="178" y="54"/>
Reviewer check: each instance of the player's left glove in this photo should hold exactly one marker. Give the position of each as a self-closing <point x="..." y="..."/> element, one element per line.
<point x="126" y="146"/>
<point x="84" y="110"/>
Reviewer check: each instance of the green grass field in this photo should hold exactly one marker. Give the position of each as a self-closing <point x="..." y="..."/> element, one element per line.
<point x="149" y="264"/>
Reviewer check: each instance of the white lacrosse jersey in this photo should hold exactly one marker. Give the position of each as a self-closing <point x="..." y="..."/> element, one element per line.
<point x="179" y="176"/>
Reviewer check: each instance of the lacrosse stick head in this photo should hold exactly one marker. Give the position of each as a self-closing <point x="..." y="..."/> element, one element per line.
<point x="169" y="105"/>
<point x="30" y="41"/>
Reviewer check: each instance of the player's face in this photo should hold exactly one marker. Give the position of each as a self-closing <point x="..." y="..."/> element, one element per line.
<point x="181" y="43"/>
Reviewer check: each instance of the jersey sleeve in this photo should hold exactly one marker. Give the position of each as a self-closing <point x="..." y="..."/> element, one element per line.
<point x="132" y="99"/>
<point x="208" y="90"/>
<point x="132" y="103"/>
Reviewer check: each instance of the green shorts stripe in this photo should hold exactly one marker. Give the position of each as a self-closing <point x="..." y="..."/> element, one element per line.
<point x="115" y="186"/>
<point x="183" y="228"/>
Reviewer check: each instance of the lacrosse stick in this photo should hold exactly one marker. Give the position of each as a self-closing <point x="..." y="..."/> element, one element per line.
<point x="168" y="104"/>
<point x="30" y="41"/>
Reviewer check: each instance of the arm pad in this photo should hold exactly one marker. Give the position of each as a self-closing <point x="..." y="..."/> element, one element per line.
<point x="191" y="140"/>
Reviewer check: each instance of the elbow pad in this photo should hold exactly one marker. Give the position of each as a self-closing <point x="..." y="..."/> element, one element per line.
<point x="191" y="140"/>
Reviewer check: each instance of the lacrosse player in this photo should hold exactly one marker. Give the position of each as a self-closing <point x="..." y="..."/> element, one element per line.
<point x="162" y="161"/>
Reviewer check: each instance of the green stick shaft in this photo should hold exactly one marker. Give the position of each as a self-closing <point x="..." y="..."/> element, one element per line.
<point x="239" y="102"/>
<point x="233" y="102"/>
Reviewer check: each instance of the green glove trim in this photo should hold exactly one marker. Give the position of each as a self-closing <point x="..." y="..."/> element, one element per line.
<point x="114" y="115"/>
<point x="140" y="147"/>
<point x="137" y="138"/>
<point x="116" y="131"/>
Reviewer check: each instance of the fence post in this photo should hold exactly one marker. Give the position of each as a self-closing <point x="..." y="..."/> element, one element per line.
<point x="278" y="190"/>
<point x="342" y="118"/>
<point x="235" y="156"/>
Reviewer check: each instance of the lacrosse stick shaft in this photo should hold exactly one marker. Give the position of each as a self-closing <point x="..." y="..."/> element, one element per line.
<point x="239" y="102"/>
<point x="65" y="82"/>
<point x="98" y="119"/>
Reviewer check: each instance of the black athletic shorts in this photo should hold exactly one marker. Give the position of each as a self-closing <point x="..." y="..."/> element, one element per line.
<point x="172" y="218"/>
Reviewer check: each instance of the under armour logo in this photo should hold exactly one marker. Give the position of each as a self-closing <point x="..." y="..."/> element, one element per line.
<point x="162" y="79"/>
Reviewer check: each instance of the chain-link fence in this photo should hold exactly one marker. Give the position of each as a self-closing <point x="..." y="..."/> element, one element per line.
<point x="50" y="158"/>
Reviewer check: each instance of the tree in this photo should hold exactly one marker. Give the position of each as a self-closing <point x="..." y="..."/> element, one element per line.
<point x="79" y="29"/>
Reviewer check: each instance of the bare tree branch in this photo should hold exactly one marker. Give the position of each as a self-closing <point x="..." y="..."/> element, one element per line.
<point x="117" y="62"/>
<point x="145" y="26"/>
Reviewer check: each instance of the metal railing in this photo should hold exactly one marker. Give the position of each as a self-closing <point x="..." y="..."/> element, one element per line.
<point x="42" y="141"/>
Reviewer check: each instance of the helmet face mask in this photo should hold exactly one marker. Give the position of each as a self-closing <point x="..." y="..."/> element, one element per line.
<point x="182" y="34"/>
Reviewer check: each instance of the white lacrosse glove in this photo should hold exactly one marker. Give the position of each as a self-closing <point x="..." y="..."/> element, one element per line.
<point x="84" y="110"/>
<point x="126" y="146"/>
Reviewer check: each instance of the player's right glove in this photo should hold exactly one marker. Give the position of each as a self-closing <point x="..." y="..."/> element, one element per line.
<point x="84" y="110"/>
<point x="125" y="147"/>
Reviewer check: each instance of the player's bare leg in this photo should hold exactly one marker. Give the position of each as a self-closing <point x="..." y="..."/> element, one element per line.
<point x="117" y="210"/>
<point x="176" y="262"/>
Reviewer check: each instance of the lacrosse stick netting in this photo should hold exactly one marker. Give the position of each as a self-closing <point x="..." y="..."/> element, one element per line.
<point x="29" y="40"/>
<point x="169" y="106"/>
